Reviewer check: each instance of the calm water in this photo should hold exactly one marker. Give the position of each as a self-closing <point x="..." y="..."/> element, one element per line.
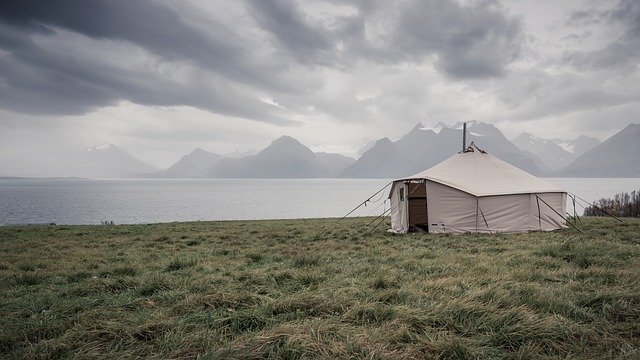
<point x="68" y="201"/>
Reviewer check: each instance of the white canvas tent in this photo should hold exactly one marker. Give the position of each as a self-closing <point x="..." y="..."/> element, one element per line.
<point x="474" y="191"/>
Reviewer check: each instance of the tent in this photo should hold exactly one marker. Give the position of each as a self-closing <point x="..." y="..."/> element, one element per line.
<point x="474" y="191"/>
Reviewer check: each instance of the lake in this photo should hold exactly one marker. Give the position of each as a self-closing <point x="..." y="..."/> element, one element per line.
<point x="79" y="201"/>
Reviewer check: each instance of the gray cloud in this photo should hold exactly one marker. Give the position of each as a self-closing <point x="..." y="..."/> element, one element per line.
<point x="285" y="21"/>
<point x="623" y="52"/>
<point x="157" y="28"/>
<point x="319" y="70"/>
<point x="473" y="41"/>
<point x="42" y="81"/>
<point x="470" y="41"/>
<point x="584" y="17"/>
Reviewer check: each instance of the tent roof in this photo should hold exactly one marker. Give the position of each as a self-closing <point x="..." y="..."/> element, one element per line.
<point x="481" y="174"/>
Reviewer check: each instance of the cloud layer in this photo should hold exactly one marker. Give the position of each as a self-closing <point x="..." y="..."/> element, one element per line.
<point x="333" y="73"/>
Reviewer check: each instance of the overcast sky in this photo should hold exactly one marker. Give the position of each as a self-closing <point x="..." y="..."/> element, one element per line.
<point x="160" y="78"/>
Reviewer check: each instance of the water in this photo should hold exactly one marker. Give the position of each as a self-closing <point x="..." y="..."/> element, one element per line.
<point x="594" y="189"/>
<point x="74" y="201"/>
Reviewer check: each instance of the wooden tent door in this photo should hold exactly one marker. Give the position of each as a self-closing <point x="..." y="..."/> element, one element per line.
<point x="417" y="198"/>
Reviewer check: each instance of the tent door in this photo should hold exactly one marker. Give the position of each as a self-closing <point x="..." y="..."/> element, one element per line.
<point x="418" y="215"/>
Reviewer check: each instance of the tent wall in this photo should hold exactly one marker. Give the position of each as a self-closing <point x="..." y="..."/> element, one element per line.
<point x="399" y="205"/>
<point x="450" y="210"/>
<point x="505" y="213"/>
<point x="453" y="211"/>
<point x="548" y="219"/>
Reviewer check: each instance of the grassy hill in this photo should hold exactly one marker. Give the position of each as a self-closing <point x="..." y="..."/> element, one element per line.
<point x="317" y="288"/>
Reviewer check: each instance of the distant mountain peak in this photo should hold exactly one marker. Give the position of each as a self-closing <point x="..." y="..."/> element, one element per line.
<point x="102" y="147"/>
<point x="568" y="147"/>
<point x="615" y="157"/>
<point x="285" y="157"/>
<point x="285" y="145"/>
<point x="285" y="139"/>
<point x="384" y="140"/>
<point x="457" y="126"/>
<point x="101" y="161"/>
<point x="629" y="129"/>
<point x="199" y="151"/>
<point x="436" y="129"/>
<point x="428" y="145"/>
<point x="530" y="137"/>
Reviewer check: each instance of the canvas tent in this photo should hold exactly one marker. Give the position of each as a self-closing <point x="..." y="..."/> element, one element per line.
<point x="474" y="191"/>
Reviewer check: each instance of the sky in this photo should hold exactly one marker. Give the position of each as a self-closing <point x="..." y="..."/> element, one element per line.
<point x="160" y="78"/>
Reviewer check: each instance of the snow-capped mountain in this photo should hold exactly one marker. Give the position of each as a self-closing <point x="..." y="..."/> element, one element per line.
<point x="425" y="146"/>
<point x="552" y="155"/>
<point x="555" y="154"/>
<point x="102" y="161"/>
<point x="579" y="145"/>
<point x="618" y="156"/>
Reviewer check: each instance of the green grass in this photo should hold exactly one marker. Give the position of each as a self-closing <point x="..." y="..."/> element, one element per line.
<point x="317" y="289"/>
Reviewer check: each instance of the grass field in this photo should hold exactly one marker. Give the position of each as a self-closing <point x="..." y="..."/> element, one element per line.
<point x="317" y="289"/>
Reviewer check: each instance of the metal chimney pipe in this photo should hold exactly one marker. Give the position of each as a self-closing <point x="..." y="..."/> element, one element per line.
<point x="464" y="136"/>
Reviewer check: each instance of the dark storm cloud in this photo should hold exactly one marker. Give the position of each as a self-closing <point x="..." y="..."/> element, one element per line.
<point x="37" y="81"/>
<point x="285" y="21"/>
<point x="627" y="13"/>
<point x="34" y="82"/>
<point x="470" y="41"/>
<point x="40" y="81"/>
<point x="157" y="28"/>
<point x="466" y="41"/>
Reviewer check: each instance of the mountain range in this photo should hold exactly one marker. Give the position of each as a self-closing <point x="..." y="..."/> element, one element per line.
<point x="555" y="154"/>
<point x="425" y="146"/>
<point x="618" y="156"/>
<point x="285" y="157"/>
<point x="422" y="147"/>
<point x="103" y="161"/>
<point x="195" y="164"/>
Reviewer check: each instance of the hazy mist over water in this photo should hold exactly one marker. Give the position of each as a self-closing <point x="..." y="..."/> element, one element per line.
<point x="75" y="201"/>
